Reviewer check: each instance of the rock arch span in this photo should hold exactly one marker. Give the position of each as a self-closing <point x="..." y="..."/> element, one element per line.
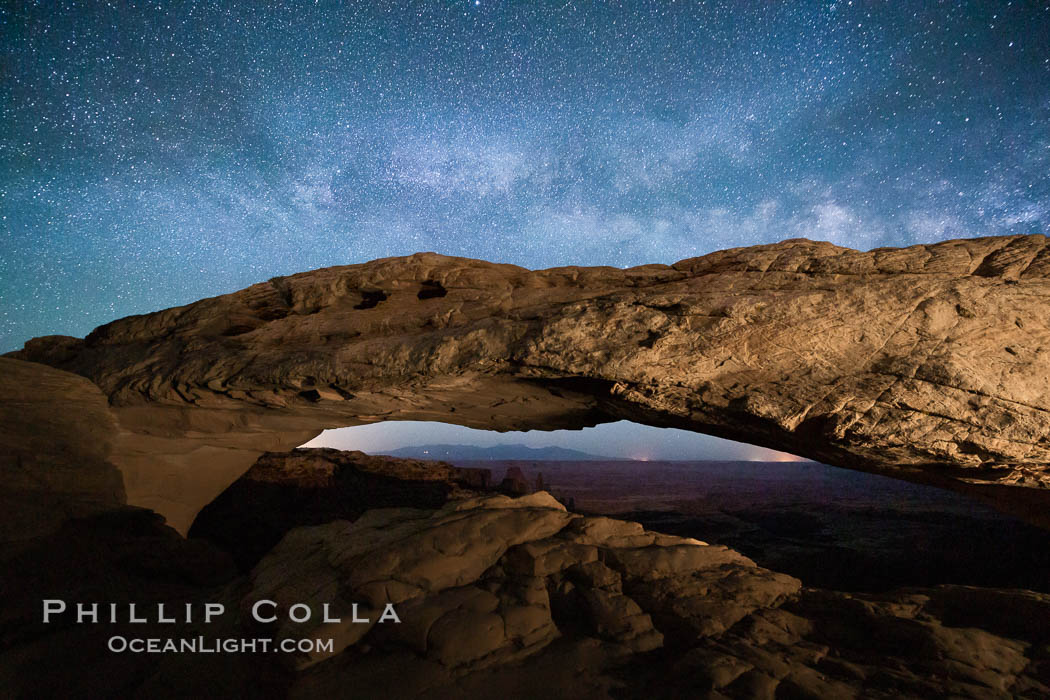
<point x="929" y="363"/>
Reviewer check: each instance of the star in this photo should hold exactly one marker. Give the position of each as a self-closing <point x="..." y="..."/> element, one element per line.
<point x="152" y="157"/>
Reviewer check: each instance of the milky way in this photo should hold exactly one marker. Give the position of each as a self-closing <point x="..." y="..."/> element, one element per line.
<point x="156" y="153"/>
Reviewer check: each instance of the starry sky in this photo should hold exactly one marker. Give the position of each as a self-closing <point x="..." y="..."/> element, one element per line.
<point x="154" y="153"/>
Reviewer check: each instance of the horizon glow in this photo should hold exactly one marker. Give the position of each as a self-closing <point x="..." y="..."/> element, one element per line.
<point x="620" y="440"/>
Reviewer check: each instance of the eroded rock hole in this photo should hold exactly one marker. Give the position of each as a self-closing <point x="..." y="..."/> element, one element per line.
<point x="371" y="299"/>
<point x="650" y="340"/>
<point x="432" y="289"/>
<point x="238" y="329"/>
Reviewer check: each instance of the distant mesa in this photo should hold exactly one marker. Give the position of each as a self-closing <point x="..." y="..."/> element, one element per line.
<point x="515" y="483"/>
<point x="312" y="486"/>
<point x="469" y="453"/>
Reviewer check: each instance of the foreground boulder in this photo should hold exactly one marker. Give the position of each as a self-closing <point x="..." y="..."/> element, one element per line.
<point x="119" y="557"/>
<point x="501" y="599"/>
<point x="56" y="435"/>
<point x="926" y="363"/>
<point x="950" y="641"/>
<point x="516" y="598"/>
<point x="490" y="580"/>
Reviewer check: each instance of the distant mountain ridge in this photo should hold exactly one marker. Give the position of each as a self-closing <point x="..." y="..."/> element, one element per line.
<point x="495" y="452"/>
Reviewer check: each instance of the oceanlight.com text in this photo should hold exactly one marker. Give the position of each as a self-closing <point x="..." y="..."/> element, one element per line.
<point x="204" y="645"/>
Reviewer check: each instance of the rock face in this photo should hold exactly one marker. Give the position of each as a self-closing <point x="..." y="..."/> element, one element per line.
<point x="54" y="451"/>
<point x="490" y="580"/>
<point x="515" y="483"/>
<point x="500" y="598"/>
<point x="315" y="486"/>
<point x="927" y="363"/>
<point x="949" y="641"/>
<point x="121" y="556"/>
<point x="515" y="598"/>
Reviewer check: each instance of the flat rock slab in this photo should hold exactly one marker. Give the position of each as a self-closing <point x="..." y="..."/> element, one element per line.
<point x="488" y="580"/>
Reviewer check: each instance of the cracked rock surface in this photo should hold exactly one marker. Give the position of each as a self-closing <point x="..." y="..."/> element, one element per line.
<point x="489" y="580"/>
<point x="515" y="598"/>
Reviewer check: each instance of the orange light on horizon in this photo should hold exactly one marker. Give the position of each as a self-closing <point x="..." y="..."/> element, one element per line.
<point x="764" y="454"/>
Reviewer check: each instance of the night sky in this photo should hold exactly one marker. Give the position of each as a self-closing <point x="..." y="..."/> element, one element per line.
<point x="155" y="153"/>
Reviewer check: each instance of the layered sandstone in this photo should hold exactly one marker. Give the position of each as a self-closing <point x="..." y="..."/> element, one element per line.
<point x="489" y="581"/>
<point x="499" y="597"/>
<point x="927" y="363"/>
<point x="516" y="598"/>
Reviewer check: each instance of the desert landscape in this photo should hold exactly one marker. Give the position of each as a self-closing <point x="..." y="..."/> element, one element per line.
<point x="830" y="527"/>
<point x="876" y="583"/>
<point x="524" y="349"/>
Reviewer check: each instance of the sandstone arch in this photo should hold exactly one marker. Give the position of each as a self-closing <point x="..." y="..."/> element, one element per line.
<point x="929" y="363"/>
